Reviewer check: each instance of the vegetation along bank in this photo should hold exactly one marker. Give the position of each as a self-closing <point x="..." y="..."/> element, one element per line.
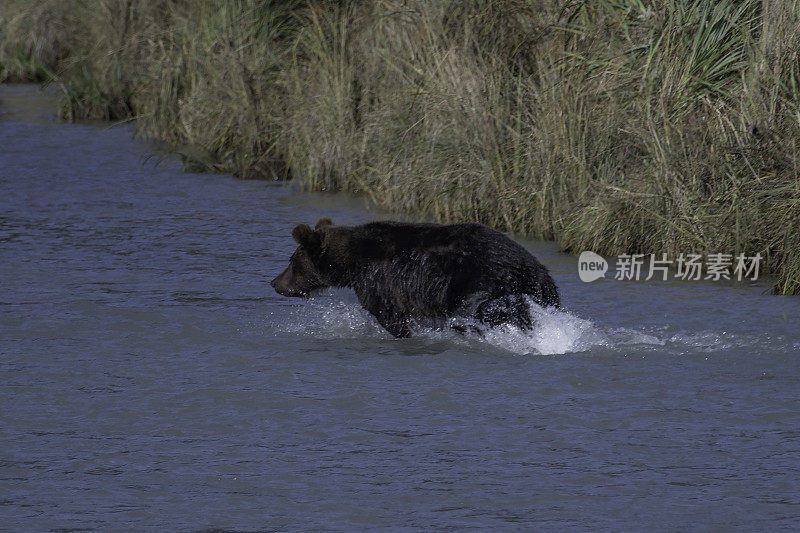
<point x="638" y="126"/>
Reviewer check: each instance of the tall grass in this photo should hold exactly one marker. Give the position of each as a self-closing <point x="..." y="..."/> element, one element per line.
<point x="33" y="38"/>
<point x="641" y="126"/>
<point x="205" y="77"/>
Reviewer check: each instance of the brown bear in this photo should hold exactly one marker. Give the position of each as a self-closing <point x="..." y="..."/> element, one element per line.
<point x="404" y="272"/>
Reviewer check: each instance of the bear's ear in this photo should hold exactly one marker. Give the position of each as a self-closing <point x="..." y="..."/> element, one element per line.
<point x="324" y="221"/>
<point x="305" y="236"/>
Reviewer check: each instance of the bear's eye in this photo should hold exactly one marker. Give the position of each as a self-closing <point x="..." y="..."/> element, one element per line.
<point x="301" y="261"/>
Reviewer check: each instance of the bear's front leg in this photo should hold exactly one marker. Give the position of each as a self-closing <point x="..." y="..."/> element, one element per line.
<point x="394" y="322"/>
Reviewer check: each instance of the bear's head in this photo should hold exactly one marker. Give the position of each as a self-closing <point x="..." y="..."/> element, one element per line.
<point x="316" y="263"/>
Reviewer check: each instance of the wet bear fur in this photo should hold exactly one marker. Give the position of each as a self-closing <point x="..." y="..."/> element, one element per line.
<point x="404" y="272"/>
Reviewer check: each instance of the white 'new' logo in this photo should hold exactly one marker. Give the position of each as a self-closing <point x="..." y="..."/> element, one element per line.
<point x="591" y="266"/>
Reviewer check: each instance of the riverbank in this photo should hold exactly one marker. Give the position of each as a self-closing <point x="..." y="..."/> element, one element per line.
<point x="668" y="128"/>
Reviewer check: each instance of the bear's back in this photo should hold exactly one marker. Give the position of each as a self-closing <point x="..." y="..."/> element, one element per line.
<point x="472" y="257"/>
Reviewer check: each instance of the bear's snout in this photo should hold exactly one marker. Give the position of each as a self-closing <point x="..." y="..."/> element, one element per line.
<point x="277" y="285"/>
<point x="283" y="287"/>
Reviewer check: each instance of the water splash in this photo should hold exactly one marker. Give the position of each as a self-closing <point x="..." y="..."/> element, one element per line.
<point x="556" y="331"/>
<point x="337" y="315"/>
<point x="331" y="318"/>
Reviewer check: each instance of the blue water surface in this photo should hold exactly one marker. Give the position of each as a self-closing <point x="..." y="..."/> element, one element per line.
<point x="150" y="379"/>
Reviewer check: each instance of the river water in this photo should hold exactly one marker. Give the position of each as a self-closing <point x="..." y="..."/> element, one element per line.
<point x="151" y="379"/>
